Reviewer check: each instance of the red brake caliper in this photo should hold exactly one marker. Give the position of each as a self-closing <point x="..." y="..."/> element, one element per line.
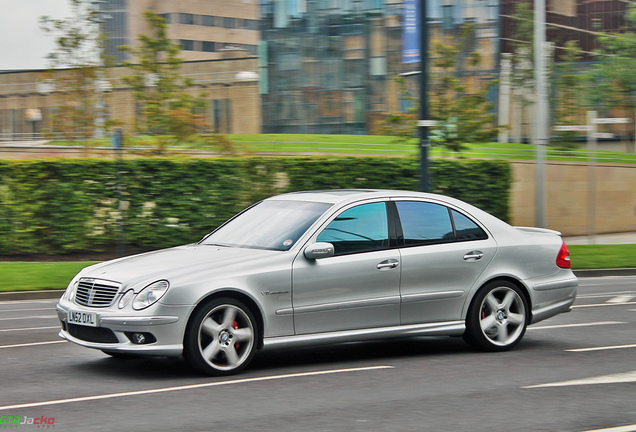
<point x="236" y="327"/>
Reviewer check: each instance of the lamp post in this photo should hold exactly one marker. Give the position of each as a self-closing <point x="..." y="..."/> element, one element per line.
<point x="541" y="138"/>
<point x="424" y="122"/>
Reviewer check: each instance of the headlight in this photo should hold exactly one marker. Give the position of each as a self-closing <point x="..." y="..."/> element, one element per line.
<point x="126" y="298"/>
<point x="69" y="294"/>
<point x="150" y="295"/>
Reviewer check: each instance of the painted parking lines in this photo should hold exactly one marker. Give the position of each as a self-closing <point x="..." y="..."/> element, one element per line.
<point x="626" y="377"/>
<point x="194" y="387"/>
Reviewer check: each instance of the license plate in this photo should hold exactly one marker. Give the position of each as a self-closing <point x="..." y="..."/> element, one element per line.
<point x="82" y="318"/>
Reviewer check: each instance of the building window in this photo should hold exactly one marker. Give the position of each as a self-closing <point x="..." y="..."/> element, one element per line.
<point x="166" y="16"/>
<point x="229" y="22"/>
<point x="187" y="45"/>
<point x="186" y="19"/>
<point x="209" y="20"/>
<point x="209" y="46"/>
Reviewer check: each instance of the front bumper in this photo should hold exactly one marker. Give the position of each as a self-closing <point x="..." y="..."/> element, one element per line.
<point x="113" y="330"/>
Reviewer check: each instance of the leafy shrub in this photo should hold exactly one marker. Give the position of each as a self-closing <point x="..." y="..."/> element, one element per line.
<point x="59" y="206"/>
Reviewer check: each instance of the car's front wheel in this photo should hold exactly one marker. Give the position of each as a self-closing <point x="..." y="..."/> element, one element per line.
<point x="497" y="317"/>
<point x="221" y="337"/>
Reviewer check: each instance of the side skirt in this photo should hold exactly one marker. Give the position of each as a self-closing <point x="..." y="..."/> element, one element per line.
<point x="450" y="328"/>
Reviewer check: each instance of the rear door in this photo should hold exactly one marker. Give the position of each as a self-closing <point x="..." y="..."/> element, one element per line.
<point x="442" y="254"/>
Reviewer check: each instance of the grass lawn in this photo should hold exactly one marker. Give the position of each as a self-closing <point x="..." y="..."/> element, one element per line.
<point x="365" y="145"/>
<point x="29" y="276"/>
<point x="603" y="256"/>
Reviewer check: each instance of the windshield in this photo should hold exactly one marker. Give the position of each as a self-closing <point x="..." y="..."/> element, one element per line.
<point x="275" y="225"/>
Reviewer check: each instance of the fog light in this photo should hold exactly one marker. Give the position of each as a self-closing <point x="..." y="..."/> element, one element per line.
<point x="138" y="338"/>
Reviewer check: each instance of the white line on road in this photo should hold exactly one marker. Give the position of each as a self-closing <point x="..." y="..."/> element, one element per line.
<point x="602" y="348"/>
<point x="621" y="298"/>
<point x="603" y="304"/>
<point x="29" y="317"/>
<point x="626" y="377"/>
<point x="8" y="302"/>
<point x="600" y="323"/>
<point x="27" y="310"/>
<point x="609" y="294"/>
<point x="31" y="344"/>
<point x="192" y="387"/>
<point x="29" y="328"/>
<point x="626" y="428"/>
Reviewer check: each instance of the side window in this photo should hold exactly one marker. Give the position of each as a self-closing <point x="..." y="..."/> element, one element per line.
<point x="425" y="223"/>
<point x="359" y="229"/>
<point x="467" y="229"/>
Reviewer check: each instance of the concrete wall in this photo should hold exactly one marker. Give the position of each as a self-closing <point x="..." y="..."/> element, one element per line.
<point x="567" y="197"/>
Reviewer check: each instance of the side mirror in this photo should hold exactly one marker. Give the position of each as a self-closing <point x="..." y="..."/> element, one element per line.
<point x="319" y="250"/>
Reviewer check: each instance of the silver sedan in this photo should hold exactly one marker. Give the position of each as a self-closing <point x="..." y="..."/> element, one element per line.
<point x="324" y="267"/>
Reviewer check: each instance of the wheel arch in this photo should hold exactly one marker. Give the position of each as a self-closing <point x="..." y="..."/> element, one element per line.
<point x="507" y="278"/>
<point x="236" y="295"/>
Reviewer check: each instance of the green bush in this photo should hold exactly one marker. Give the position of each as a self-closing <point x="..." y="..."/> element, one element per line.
<point x="59" y="206"/>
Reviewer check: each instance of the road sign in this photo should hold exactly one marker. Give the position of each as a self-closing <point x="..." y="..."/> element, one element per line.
<point x="573" y="128"/>
<point x="426" y="123"/>
<point x="604" y="135"/>
<point x="612" y="120"/>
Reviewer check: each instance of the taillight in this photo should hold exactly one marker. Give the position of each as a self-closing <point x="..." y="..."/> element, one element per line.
<point x="563" y="258"/>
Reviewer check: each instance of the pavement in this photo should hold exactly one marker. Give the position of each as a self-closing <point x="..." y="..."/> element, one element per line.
<point x="616" y="238"/>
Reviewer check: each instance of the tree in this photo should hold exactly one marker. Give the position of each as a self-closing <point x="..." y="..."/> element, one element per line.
<point x="166" y="109"/>
<point x="612" y="78"/>
<point x="77" y="47"/>
<point x="568" y="83"/>
<point x="462" y="111"/>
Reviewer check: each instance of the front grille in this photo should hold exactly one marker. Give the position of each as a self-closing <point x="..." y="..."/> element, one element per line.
<point x="92" y="334"/>
<point x="96" y="292"/>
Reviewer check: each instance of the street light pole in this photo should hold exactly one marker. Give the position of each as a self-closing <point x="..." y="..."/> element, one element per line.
<point x="423" y="123"/>
<point x="541" y="138"/>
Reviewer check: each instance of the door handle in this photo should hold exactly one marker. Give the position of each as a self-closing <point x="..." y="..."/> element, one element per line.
<point x="388" y="264"/>
<point x="473" y="256"/>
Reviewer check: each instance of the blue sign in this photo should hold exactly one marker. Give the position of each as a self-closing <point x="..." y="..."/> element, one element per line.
<point x="411" y="32"/>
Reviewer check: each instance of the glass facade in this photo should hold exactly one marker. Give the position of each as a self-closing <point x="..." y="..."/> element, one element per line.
<point x="330" y="64"/>
<point x="115" y="26"/>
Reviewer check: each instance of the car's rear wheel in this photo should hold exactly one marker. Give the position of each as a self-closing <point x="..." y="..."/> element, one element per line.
<point x="221" y="337"/>
<point x="497" y="317"/>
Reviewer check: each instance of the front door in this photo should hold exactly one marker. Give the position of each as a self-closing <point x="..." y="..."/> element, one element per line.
<point x="356" y="288"/>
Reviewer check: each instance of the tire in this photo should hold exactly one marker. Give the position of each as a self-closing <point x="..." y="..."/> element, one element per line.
<point x="221" y="337"/>
<point x="497" y="317"/>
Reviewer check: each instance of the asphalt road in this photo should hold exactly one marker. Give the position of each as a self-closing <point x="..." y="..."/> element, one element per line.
<point x="575" y="372"/>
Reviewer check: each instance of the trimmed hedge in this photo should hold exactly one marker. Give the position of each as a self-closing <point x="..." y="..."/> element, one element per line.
<point x="59" y="206"/>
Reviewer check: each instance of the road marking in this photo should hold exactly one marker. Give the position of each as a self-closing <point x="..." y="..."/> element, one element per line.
<point x="621" y="299"/>
<point x="30" y="328"/>
<point x="609" y="294"/>
<point x="29" y="317"/>
<point x="577" y="325"/>
<point x="31" y="344"/>
<point x="626" y="377"/>
<point x="603" y="304"/>
<point x="602" y="348"/>
<point x="626" y="428"/>
<point x="8" y="302"/>
<point x="192" y="387"/>
<point x="27" y="310"/>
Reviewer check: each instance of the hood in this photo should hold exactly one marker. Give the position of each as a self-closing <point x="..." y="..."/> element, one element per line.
<point x="171" y="263"/>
